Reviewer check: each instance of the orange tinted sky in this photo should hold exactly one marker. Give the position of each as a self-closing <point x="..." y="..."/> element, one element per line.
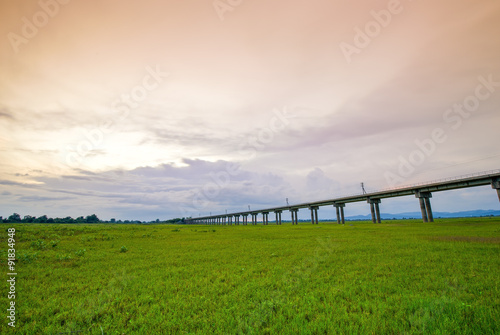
<point x="348" y="119"/>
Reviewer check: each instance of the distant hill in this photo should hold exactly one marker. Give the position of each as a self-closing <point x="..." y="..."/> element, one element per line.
<point x="418" y="215"/>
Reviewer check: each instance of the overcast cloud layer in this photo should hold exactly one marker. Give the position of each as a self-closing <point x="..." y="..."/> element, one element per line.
<point x="161" y="109"/>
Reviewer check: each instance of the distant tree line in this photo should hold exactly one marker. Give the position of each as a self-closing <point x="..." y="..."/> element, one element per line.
<point x="16" y="218"/>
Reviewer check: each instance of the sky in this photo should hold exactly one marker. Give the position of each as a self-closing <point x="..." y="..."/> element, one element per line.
<point x="161" y="109"/>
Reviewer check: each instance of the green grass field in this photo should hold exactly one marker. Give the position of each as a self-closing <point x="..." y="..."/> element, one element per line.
<point x="398" y="277"/>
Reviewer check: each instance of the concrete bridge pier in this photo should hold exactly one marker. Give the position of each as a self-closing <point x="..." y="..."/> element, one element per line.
<point x="375" y="210"/>
<point x="236" y="220"/>
<point x="495" y="183"/>
<point x="294" y="215"/>
<point x="254" y="219"/>
<point x="278" y="217"/>
<point x="230" y="220"/>
<point x="425" y="205"/>
<point x="339" y="208"/>
<point x="245" y="219"/>
<point x="265" y="218"/>
<point x="314" y="214"/>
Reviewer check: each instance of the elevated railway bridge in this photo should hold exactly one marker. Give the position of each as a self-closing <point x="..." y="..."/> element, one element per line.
<point x="423" y="192"/>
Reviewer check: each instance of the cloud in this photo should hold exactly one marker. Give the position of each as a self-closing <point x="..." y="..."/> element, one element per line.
<point x="351" y="123"/>
<point x="163" y="191"/>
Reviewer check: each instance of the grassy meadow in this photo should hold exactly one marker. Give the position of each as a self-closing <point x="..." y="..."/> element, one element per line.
<point x="398" y="277"/>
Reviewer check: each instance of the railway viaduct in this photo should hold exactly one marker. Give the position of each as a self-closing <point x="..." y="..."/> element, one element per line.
<point x="423" y="192"/>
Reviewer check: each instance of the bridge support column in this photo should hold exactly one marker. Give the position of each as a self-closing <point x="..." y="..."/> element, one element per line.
<point x="314" y="214"/>
<point x="375" y="210"/>
<point x="339" y="208"/>
<point x="425" y="205"/>
<point x="495" y="183"/>
<point x="294" y="215"/>
<point x="422" y="209"/>
<point x="372" y="210"/>
<point x="278" y="217"/>
<point x="265" y="218"/>
<point x="429" y="208"/>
